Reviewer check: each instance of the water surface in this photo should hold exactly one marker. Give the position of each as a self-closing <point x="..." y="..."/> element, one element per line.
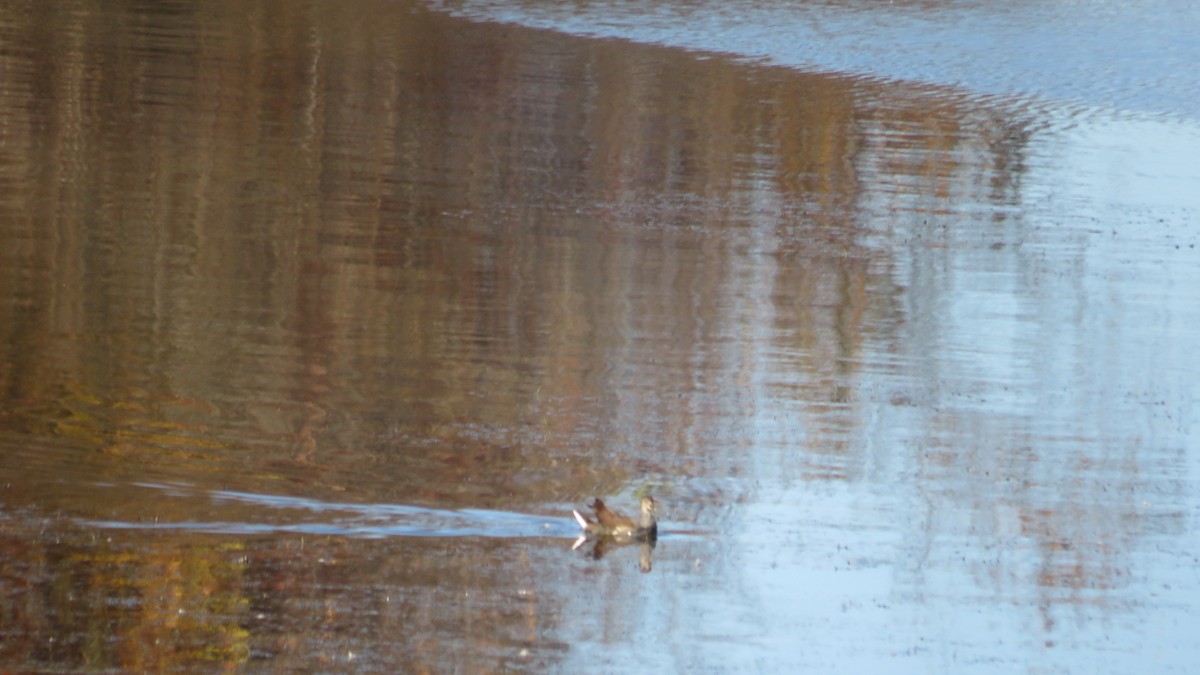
<point x="318" y="319"/>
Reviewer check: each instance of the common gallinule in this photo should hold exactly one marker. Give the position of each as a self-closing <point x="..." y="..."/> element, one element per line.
<point x="609" y="523"/>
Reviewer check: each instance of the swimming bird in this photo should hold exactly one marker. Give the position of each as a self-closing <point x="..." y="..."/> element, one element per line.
<point x="609" y="523"/>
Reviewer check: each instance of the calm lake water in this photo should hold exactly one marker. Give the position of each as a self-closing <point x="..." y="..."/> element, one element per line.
<point x="320" y="317"/>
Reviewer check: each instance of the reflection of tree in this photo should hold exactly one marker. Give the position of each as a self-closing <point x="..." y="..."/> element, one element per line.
<point x="127" y="606"/>
<point x="438" y="274"/>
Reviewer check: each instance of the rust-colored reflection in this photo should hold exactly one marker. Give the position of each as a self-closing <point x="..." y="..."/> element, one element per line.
<point x="79" y="602"/>
<point x="392" y="255"/>
<point x="202" y="603"/>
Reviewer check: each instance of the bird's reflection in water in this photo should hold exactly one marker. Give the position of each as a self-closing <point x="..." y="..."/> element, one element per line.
<point x="602" y="546"/>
